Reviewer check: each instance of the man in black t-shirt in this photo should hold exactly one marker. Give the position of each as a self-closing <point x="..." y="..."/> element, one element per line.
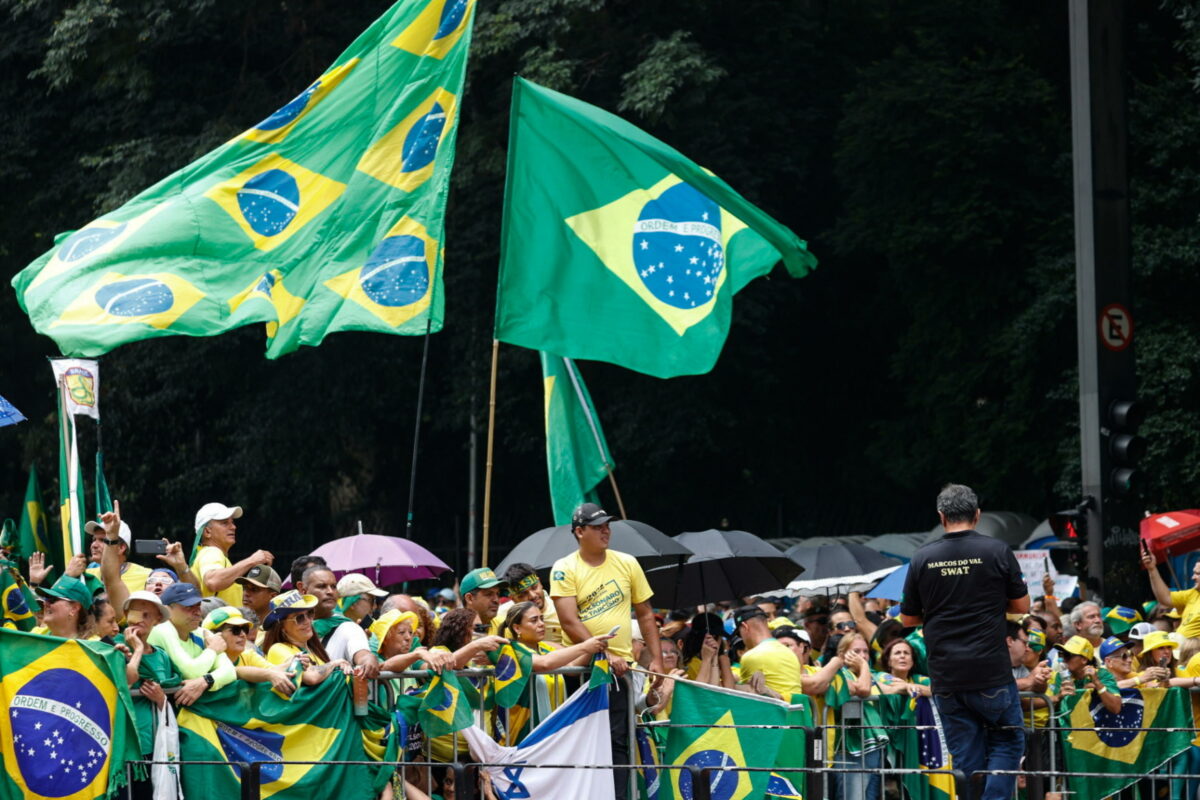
<point x="960" y="587"/>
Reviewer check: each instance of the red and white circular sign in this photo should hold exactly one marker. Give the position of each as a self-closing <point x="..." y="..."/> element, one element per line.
<point x="1116" y="327"/>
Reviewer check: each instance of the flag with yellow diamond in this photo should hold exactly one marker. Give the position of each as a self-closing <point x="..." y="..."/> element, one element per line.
<point x="616" y="247"/>
<point x="447" y="706"/>
<point x="68" y="726"/>
<point x="710" y="740"/>
<point x="327" y="215"/>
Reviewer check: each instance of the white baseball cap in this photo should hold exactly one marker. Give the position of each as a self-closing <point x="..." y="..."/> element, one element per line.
<point x="95" y="527"/>
<point x="355" y="583"/>
<point x="149" y="597"/>
<point x="210" y="511"/>
<point x="1141" y="629"/>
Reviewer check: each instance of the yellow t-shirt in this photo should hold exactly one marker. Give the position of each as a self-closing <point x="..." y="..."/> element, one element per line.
<point x="134" y="577"/>
<point x="604" y="595"/>
<point x="777" y="663"/>
<point x="554" y="634"/>
<point x="1188" y="602"/>
<point x="249" y="658"/>
<point x="281" y="652"/>
<point x="210" y="558"/>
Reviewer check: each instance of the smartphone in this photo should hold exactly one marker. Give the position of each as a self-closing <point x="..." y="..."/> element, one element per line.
<point x="613" y="631"/>
<point x="149" y="547"/>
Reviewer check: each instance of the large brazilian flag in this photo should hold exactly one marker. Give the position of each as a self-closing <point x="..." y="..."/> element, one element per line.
<point x="67" y="727"/>
<point x="616" y="247"/>
<point x="326" y="216"/>
<point x="1124" y="742"/>
<point x="710" y="740"/>
<point x="246" y="722"/>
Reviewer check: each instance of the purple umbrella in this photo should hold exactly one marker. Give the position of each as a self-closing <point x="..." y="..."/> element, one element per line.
<point x="383" y="559"/>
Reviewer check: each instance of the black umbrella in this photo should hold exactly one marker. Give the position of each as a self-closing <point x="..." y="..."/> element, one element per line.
<point x="650" y="546"/>
<point x="726" y="565"/>
<point x="829" y="565"/>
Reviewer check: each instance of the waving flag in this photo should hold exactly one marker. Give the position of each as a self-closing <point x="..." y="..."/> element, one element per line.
<point x="919" y="747"/>
<point x="575" y="733"/>
<point x="710" y="740"/>
<point x="616" y="247"/>
<point x="248" y="722"/>
<point x="513" y="669"/>
<point x="9" y="414"/>
<point x="1126" y="744"/>
<point x="326" y="216"/>
<point x="18" y="605"/>
<point x="67" y="726"/>
<point x="577" y="456"/>
<point x="448" y="705"/>
<point x="33" y="531"/>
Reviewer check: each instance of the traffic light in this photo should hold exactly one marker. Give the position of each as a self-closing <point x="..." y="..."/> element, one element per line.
<point x="1071" y="525"/>
<point x="1125" y="447"/>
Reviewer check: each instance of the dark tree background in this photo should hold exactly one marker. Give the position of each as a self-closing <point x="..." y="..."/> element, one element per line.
<point x="922" y="148"/>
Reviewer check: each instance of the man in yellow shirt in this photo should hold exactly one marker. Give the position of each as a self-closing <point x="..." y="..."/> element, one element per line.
<point x="216" y="534"/>
<point x="1187" y="601"/>
<point x="778" y="664"/>
<point x="596" y="590"/>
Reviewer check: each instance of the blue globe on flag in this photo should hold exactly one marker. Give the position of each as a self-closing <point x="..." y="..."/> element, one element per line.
<point x="397" y="273"/>
<point x="452" y="15"/>
<point x="60" y="748"/>
<point x="269" y="201"/>
<point x="289" y="112"/>
<point x="722" y="785"/>
<point x="83" y="243"/>
<point x="135" y="297"/>
<point x="677" y="248"/>
<point x="506" y="667"/>
<point x="421" y="143"/>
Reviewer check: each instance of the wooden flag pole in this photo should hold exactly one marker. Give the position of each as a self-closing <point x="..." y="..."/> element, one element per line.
<point x="491" y="437"/>
<point x="613" y="480"/>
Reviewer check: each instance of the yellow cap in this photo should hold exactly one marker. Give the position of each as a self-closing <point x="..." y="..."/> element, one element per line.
<point x="1078" y="646"/>
<point x="382" y="626"/>
<point x="1157" y="639"/>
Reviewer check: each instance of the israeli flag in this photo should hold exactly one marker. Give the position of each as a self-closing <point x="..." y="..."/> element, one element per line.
<point x="576" y="733"/>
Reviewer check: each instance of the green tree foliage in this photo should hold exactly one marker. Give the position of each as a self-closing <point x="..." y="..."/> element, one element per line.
<point x="922" y="148"/>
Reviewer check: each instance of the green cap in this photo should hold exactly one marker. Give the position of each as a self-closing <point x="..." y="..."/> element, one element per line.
<point x="482" y="578"/>
<point x="69" y="588"/>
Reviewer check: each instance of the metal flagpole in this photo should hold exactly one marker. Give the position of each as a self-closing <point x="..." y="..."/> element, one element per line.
<point x="587" y="410"/>
<point x="491" y="437"/>
<point x="412" y="473"/>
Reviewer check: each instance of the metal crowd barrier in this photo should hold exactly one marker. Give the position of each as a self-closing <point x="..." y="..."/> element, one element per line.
<point x="1044" y="746"/>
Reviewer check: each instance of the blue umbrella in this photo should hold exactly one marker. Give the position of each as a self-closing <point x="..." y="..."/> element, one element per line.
<point x="891" y="587"/>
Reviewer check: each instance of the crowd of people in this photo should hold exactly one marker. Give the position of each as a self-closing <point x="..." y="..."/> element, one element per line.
<point x="196" y="624"/>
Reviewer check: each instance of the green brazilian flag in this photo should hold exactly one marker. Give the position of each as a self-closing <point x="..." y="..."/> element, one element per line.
<point x="326" y="216"/>
<point x="33" y="530"/>
<point x="577" y="456"/>
<point x="18" y="604"/>
<point x="1123" y="742"/>
<point x="248" y="722"/>
<point x="710" y="742"/>
<point x="447" y="706"/>
<point x="68" y="726"/>
<point x="615" y="247"/>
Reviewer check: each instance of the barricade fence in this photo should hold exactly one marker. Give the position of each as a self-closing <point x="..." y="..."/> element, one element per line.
<point x="827" y="760"/>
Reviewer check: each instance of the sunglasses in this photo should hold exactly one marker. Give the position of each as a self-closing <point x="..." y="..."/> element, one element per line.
<point x="243" y="630"/>
<point x="303" y="616"/>
<point x="846" y="626"/>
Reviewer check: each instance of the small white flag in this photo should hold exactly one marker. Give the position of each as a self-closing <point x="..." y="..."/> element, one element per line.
<point x="81" y="379"/>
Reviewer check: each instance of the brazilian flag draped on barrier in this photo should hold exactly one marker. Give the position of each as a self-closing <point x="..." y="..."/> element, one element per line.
<point x="1128" y="745"/>
<point x="248" y="722"/>
<point x="615" y="247"/>
<point x="67" y="727"/>
<point x="577" y="456"/>
<point x="326" y="216"/>
<point x="915" y="742"/>
<point x="710" y="741"/>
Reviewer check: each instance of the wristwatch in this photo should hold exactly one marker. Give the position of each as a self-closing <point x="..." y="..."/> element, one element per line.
<point x="209" y="679"/>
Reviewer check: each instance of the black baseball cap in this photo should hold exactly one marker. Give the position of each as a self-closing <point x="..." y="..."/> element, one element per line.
<point x="589" y="514"/>
<point x="745" y="613"/>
